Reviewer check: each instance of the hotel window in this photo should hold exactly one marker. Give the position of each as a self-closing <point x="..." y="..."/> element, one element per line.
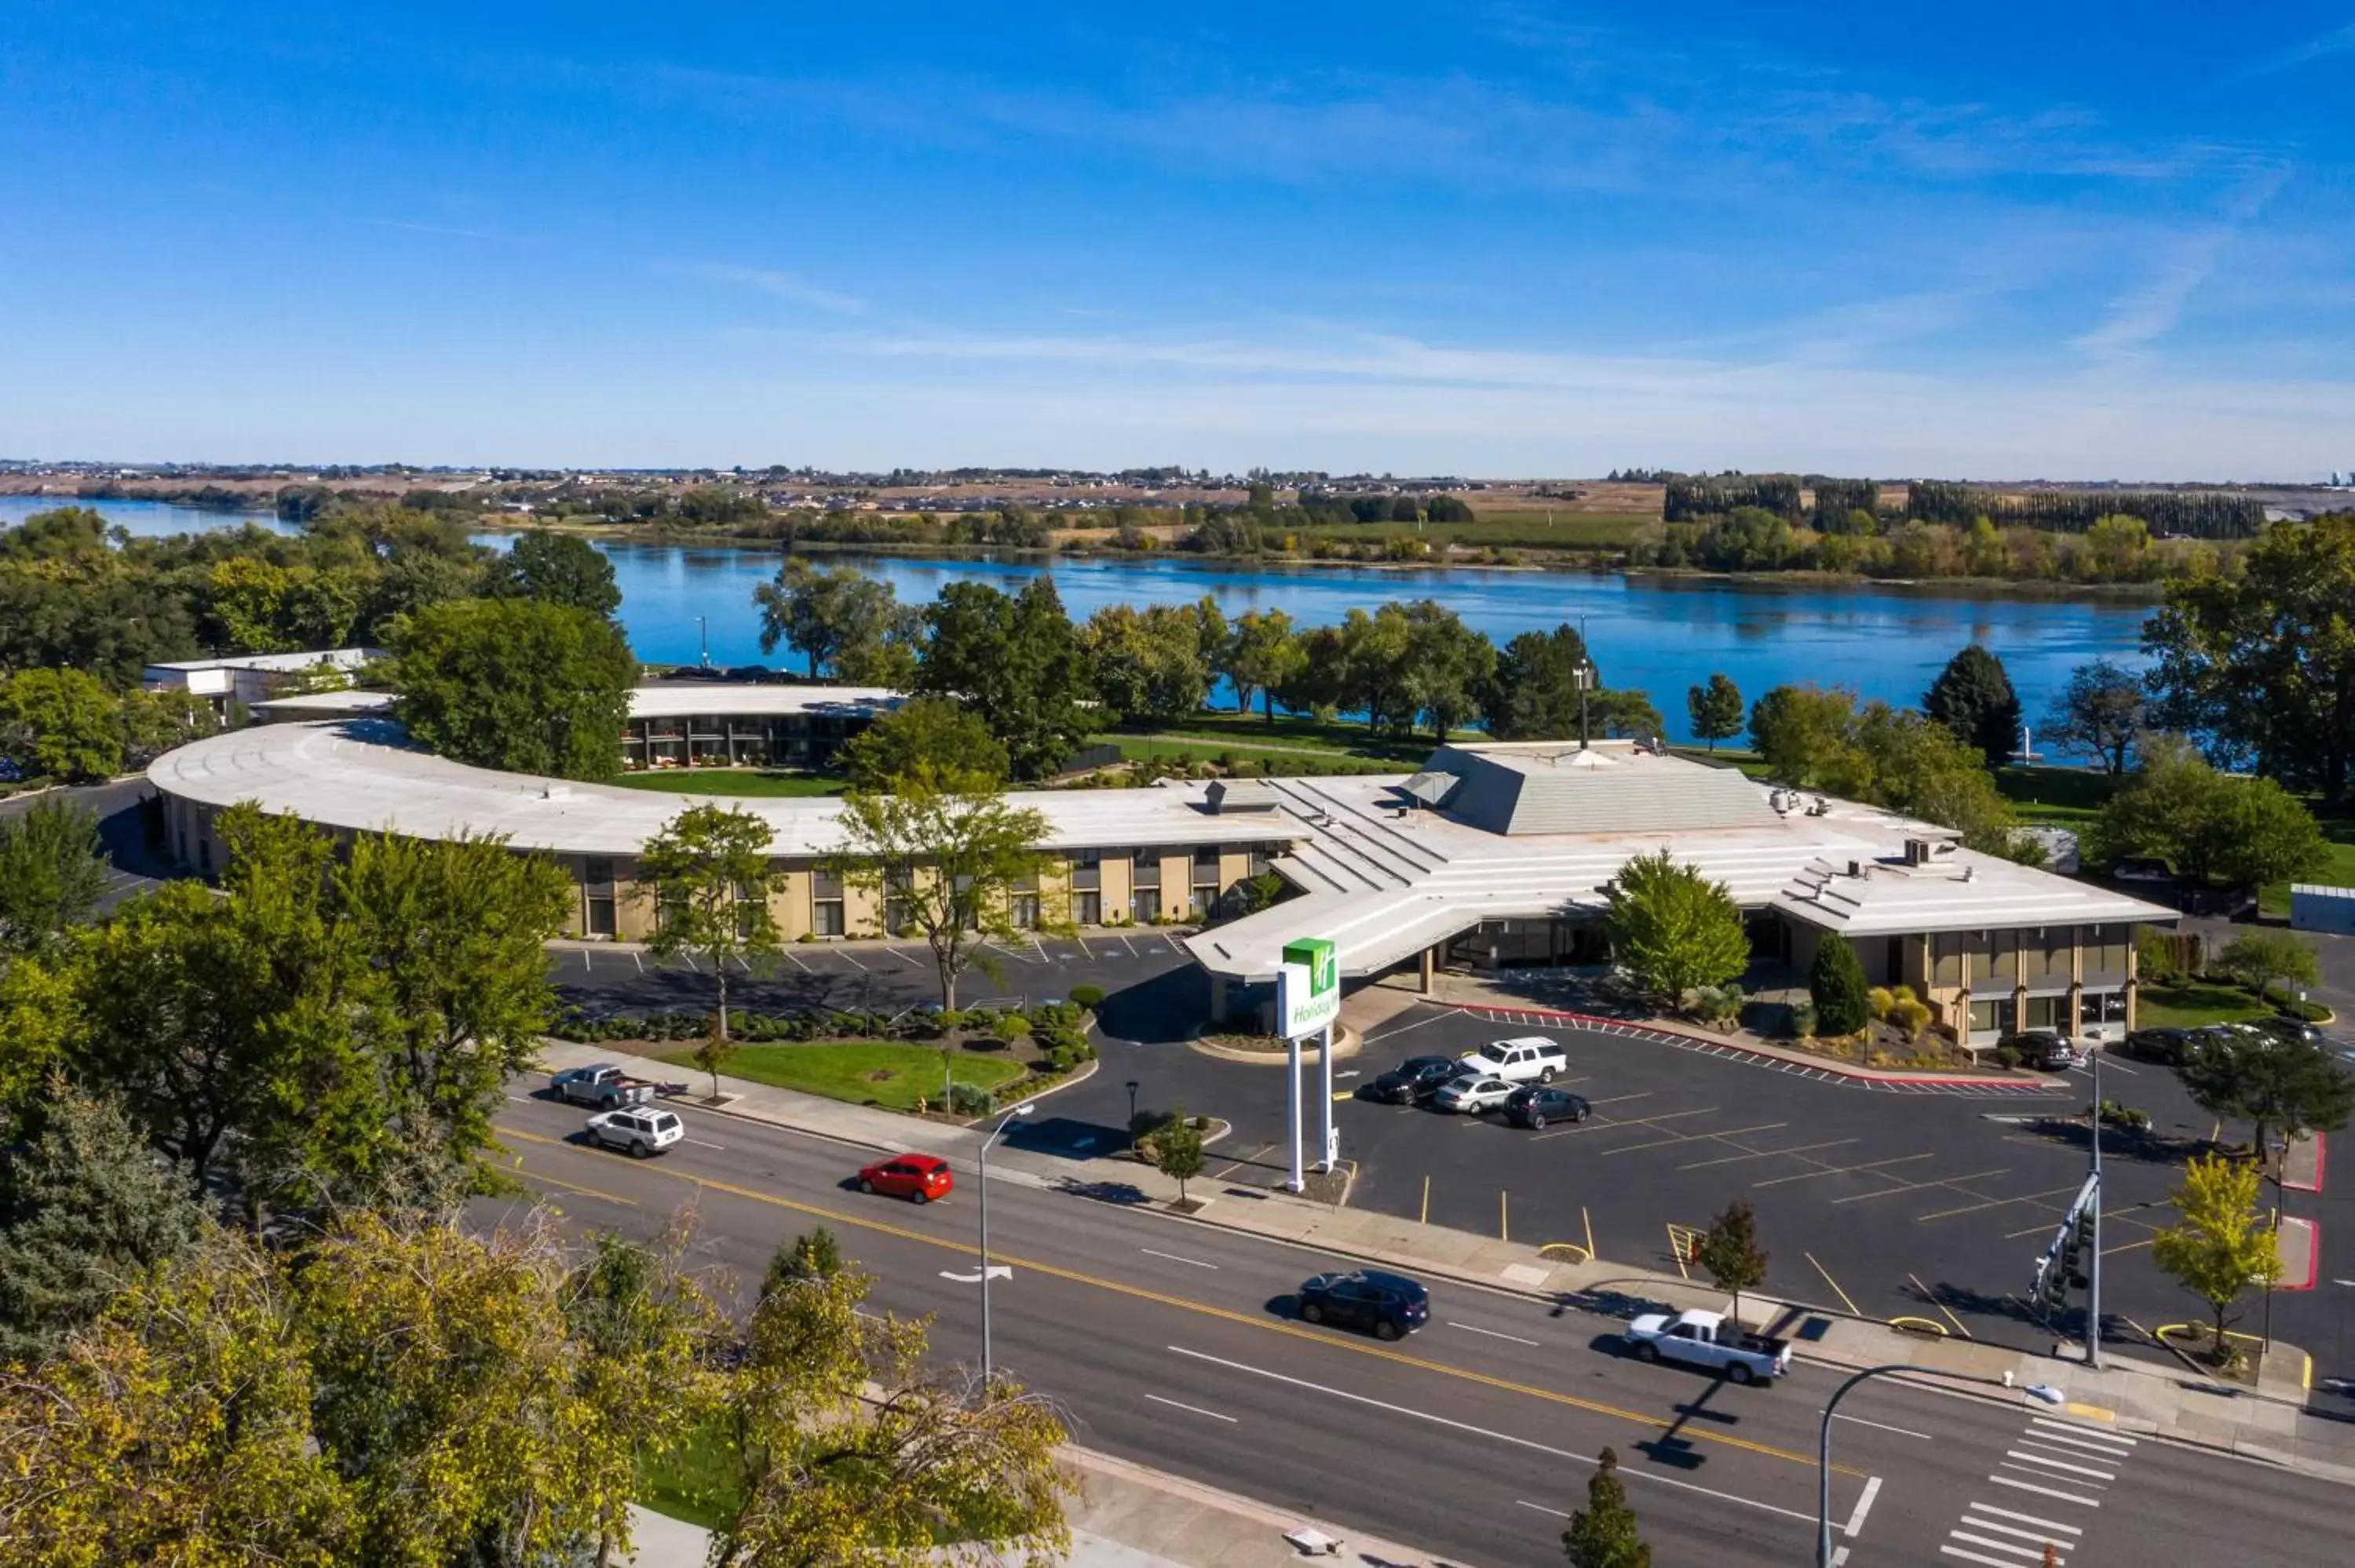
<point x="1087" y="908"/>
<point x="897" y="913"/>
<point x="596" y="892"/>
<point x="1087" y="870"/>
<point x="1206" y="867"/>
<point x="1146" y="872"/>
<point x="2104" y="1006"/>
<point x="1144" y="905"/>
<point x="826" y="917"/>
<point x="1198" y="901"/>
<point x="1991" y="1017"/>
<point x="1259" y="860"/>
<point x="2046" y="1013"/>
<point x="1023" y="909"/>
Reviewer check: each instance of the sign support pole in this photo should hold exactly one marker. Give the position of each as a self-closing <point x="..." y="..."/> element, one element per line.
<point x="1329" y="1144"/>
<point x="1296" y="1183"/>
<point x="2093" y="1263"/>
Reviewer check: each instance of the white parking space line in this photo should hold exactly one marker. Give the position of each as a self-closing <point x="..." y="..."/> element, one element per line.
<point x="1493" y="1334"/>
<point x="2045" y="1491"/>
<point x="795" y="962"/>
<point x="1402" y="1028"/>
<point x="1173" y="1257"/>
<point x="904" y="957"/>
<point x="1130" y="946"/>
<point x="1504" y="1437"/>
<point x="585" y="968"/>
<point x="1191" y="1409"/>
<point x="844" y="954"/>
<point x="638" y="959"/>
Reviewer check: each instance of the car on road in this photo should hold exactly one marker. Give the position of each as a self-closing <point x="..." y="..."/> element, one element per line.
<point x="1534" y="1105"/>
<point x="1472" y="1093"/>
<point x="919" y="1178"/>
<point x="635" y="1131"/>
<point x="2043" y="1050"/>
<point x="1414" y="1080"/>
<point x="1527" y="1058"/>
<point x="1708" y="1339"/>
<point x="604" y="1085"/>
<point x="1387" y="1306"/>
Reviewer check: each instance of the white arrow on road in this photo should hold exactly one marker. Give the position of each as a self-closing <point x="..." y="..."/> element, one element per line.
<point x="997" y="1271"/>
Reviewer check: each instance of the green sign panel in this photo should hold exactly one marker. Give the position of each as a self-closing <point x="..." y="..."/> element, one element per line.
<point x="1308" y="986"/>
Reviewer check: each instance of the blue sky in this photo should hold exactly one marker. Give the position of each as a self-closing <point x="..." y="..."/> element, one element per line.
<point x="1994" y="240"/>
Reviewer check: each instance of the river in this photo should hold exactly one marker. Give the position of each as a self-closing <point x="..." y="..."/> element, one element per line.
<point x="1661" y="635"/>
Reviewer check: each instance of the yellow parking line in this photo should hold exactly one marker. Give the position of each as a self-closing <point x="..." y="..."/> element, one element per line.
<point x="1246" y="1319"/>
<point x="1833" y="1283"/>
<point x="1993" y="1203"/>
<point x="1872" y="1166"/>
<point x="1766" y="1154"/>
<point x="1947" y="1181"/>
<point x="1694" y="1137"/>
<point x="1941" y="1306"/>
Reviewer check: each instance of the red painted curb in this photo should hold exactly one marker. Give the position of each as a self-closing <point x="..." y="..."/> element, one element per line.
<point x="1834" y="1068"/>
<point x="2321" y="1154"/>
<point x="2313" y="1258"/>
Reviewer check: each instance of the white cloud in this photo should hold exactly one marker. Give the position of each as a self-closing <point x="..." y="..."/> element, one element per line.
<point x="2336" y="42"/>
<point x="790" y="286"/>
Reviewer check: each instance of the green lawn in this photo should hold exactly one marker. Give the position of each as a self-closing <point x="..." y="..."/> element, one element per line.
<point x="732" y="781"/>
<point x="2190" y="1003"/>
<point x="862" y="1071"/>
<point x="695" y="1485"/>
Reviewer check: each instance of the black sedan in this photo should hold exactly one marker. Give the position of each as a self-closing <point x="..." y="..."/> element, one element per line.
<point x="1534" y="1105"/>
<point x="1413" y="1081"/>
<point x="1387" y="1305"/>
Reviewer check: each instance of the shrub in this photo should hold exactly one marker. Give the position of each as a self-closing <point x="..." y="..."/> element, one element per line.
<point x="1878" y="1000"/>
<point x="1803" y="1019"/>
<point x="1088" y="996"/>
<point x="2006" y="1056"/>
<point x="1836" y="985"/>
<point x="2128" y="1117"/>
<point x="971" y="1099"/>
<point x="1910" y="1015"/>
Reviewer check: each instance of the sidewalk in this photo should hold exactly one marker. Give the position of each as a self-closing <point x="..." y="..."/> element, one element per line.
<point x="1122" y="1515"/>
<point x="2159" y="1397"/>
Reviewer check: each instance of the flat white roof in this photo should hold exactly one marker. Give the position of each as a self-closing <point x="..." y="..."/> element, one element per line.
<point x="714" y="699"/>
<point x="282" y="662"/>
<point x="361" y="775"/>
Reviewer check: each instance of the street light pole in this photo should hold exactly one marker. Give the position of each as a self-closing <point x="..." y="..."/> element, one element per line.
<point x="1017" y="1114"/>
<point x="1823" y="1437"/>
<point x="2093" y="1263"/>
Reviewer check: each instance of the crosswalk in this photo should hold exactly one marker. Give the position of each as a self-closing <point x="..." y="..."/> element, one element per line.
<point x="2051" y="1466"/>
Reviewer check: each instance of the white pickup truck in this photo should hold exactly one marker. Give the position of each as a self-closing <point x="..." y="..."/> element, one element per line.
<point x="604" y="1086"/>
<point x="1528" y="1059"/>
<point x="1707" y="1340"/>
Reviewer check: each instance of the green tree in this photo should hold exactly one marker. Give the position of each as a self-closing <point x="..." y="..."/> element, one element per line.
<point x="154" y="722"/>
<point x="1836" y="984"/>
<point x="2243" y="833"/>
<point x="1624" y="714"/>
<point x="1729" y="1250"/>
<point x="259" y="605"/>
<point x="1449" y="667"/>
<point x="515" y="685"/>
<point x="1672" y="929"/>
<point x="813" y="1254"/>
<point x="944" y="852"/>
<point x="708" y="877"/>
<point x="853" y="1456"/>
<point x="2289" y="1086"/>
<point x="1017" y="662"/>
<point x="1178" y="1150"/>
<point x="2099" y="713"/>
<point x="2261" y="664"/>
<point x="1803" y="735"/>
<point x="556" y="568"/>
<point x="85" y="1210"/>
<point x="1715" y="709"/>
<point x="1602" y="1533"/>
<point x="1973" y="698"/>
<point x="922" y="733"/>
<point x="840" y="620"/>
<point x="1262" y="657"/>
<point x="2258" y="959"/>
<point x="2221" y="1247"/>
<point x="53" y="871"/>
<point x="62" y="724"/>
<point x="1148" y="664"/>
<point x="1534" y="693"/>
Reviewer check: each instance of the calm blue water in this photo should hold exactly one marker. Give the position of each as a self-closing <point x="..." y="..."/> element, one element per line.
<point x="1661" y="635"/>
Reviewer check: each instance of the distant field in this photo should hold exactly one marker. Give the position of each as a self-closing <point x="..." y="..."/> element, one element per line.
<point x="1516" y="529"/>
<point x="732" y="781"/>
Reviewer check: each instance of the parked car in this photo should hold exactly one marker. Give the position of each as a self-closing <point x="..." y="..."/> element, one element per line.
<point x="604" y="1085"/>
<point x="2296" y="1030"/>
<point x="1387" y="1306"/>
<point x="1414" y="1080"/>
<point x="2042" y="1049"/>
<point x="1707" y="1340"/>
<point x="1472" y="1093"/>
<point x="1534" y="1105"/>
<point x="635" y="1132"/>
<point x="1531" y="1058"/>
<point x="2168" y="1047"/>
<point x="919" y="1178"/>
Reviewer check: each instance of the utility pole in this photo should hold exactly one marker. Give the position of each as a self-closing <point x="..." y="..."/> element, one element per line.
<point x="2094" y="1264"/>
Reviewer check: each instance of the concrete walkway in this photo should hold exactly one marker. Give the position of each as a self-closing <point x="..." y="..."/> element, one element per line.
<point x="2161" y="1397"/>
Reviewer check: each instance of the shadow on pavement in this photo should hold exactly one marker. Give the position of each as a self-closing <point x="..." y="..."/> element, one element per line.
<point x="1163" y="1009"/>
<point x="1121" y="1192"/>
<point x="1067" y="1137"/>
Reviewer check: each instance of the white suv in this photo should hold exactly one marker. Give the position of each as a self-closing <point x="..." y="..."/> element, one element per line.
<point x="636" y="1133"/>
<point x="1528" y="1059"/>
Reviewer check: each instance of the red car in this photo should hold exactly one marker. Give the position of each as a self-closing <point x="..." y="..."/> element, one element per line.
<point x="919" y="1178"/>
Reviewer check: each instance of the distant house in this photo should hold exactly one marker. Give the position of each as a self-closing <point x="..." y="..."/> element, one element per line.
<point x="250" y="678"/>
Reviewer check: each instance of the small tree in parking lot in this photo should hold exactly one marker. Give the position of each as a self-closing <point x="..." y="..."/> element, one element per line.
<point x="1178" y="1150"/>
<point x="709" y="876"/>
<point x="1731" y="1253"/>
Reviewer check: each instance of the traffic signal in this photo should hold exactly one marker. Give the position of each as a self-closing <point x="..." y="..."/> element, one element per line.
<point x="2052" y="1279"/>
<point x="2080" y="1244"/>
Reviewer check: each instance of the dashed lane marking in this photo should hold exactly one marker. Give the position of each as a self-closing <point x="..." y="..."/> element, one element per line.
<point x="1191" y="1409"/>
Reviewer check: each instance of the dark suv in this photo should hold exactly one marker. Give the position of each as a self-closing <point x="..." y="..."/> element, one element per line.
<point x="1414" y="1080"/>
<point x="1534" y="1105"/>
<point x="2042" y="1049"/>
<point x="1387" y="1305"/>
<point x="2168" y="1047"/>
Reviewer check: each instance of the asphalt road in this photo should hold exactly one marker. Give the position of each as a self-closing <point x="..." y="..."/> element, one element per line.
<point x="1169" y="1342"/>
